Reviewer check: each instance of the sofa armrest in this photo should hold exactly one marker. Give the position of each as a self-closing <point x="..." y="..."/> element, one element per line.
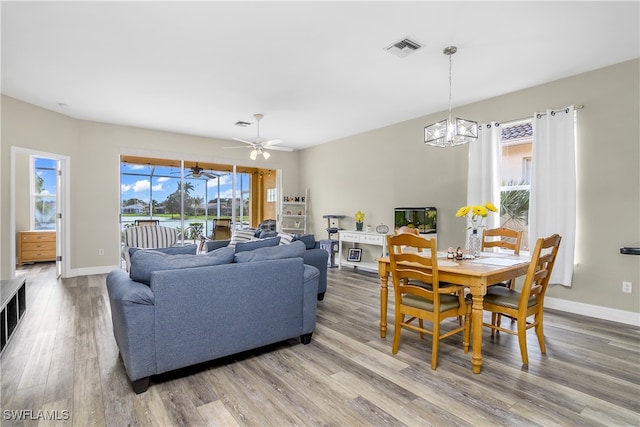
<point x="132" y="314"/>
<point x="319" y="259"/>
<point x="310" y="305"/>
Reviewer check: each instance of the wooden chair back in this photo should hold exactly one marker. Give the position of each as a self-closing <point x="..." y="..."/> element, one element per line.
<point x="405" y="229"/>
<point x="140" y="222"/>
<point x="520" y="305"/>
<point x="539" y="273"/>
<point x="507" y="239"/>
<point x="419" y="294"/>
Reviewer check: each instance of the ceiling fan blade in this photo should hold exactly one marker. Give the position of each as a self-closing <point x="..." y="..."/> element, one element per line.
<point x="278" y="148"/>
<point x="271" y="142"/>
<point x="209" y="175"/>
<point x="237" y="146"/>
<point x="245" y="141"/>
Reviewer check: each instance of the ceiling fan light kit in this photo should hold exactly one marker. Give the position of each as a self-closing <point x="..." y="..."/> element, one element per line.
<point x="447" y="132"/>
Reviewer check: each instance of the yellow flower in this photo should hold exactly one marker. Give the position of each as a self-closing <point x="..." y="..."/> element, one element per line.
<point x="476" y="214"/>
<point x="479" y="211"/>
<point x="359" y="216"/>
<point x="463" y="211"/>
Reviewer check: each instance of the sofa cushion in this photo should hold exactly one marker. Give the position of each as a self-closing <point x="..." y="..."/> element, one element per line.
<point x="145" y="262"/>
<point x="172" y="250"/>
<point x="238" y="236"/>
<point x="308" y="239"/>
<point x="285" y="238"/>
<point x="293" y="250"/>
<point x="257" y="244"/>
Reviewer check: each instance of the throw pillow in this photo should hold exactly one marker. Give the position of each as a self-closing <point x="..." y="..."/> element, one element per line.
<point x="267" y="233"/>
<point x="145" y="262"/>
<point x="293" y="250"/>
<point x="308" y="239"/>
<point x="238" y="236"/>
<point x="212" y="245"/>
<point x="285" y="238"/>
<point x="172" y="250"/>
<point x="256" y="244"/>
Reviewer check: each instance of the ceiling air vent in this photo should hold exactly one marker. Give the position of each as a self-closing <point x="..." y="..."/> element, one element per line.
<point x="242" y="124"/>
<point x="403" y="47"/>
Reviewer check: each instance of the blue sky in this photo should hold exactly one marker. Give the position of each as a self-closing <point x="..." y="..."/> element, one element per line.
<point x="46" y="169"/>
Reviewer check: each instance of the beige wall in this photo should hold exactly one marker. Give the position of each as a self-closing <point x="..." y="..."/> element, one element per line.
<point x="390" y="167"/>
<point x="375" y="172"/>
<point x="93" y="150"/>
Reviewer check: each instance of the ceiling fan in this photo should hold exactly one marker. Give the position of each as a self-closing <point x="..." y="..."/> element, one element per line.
<point x="198" y="172"/>
<point x="259" y="144"/>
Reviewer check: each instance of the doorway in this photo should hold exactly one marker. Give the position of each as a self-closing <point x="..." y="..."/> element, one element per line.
<point x="26" y="215"/>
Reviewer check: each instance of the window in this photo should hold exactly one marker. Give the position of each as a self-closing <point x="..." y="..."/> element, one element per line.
<point x="517" y="144"/>
<point x="152" y="188"/>
<point x="43" y="193"/>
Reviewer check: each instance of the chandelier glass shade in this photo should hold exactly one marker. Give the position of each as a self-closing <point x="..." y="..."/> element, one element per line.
<point x="450" y="132"/>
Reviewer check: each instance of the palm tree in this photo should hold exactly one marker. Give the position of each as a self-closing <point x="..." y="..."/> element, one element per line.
<point x="514" y="207"/>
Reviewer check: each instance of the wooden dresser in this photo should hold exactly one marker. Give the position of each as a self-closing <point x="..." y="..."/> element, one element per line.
<point x="36" y="246"/>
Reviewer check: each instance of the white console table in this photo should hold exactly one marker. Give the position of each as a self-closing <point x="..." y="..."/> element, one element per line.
<point x="361" y="238"/>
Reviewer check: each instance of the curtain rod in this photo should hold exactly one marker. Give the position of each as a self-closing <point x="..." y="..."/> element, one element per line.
<point x="538" y="115"/>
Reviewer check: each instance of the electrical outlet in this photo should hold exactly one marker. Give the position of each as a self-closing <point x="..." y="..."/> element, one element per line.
<point x="100" y="251"/>
<point x="626" y="287"/>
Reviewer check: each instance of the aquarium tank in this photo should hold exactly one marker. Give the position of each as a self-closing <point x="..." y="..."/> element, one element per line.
<point x="424" y="219"/>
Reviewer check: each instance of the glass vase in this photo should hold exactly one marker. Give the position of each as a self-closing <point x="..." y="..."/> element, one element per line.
<point x="474" y="243"/>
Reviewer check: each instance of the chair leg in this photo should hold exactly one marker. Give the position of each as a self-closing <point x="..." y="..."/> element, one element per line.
<point x="522" y="340"/>
<point x="493" y="322"/>
<point x="436" y="342"/>
<point x="396" y="333"/>
<point x="539" y="333"/>
<point x="467" y="332"/>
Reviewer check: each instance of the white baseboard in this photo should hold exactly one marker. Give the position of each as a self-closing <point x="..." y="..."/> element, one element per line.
<point x="604" y="313"/>
<point x="105" y="269"/>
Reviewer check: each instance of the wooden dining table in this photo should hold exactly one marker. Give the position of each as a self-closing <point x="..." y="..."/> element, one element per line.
<point x="475" y="274"/>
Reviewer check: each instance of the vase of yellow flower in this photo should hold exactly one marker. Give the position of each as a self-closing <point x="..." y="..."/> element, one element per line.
<point x="476" y="215"/>
<point x="359" y="220"/>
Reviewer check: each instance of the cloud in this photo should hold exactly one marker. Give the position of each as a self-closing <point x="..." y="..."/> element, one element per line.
<point x="139" y="186"/>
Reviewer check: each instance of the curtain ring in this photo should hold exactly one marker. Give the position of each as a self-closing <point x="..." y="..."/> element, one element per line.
<point x="538" y="116"/>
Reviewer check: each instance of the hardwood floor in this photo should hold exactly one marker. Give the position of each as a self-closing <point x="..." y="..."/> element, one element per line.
<point x="63" y="364"/>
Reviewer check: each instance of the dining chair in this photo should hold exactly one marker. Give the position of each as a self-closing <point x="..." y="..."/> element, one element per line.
<point x="529" y="301"/>
<point x="420" y="295"/>
<point x="506" y="239"/>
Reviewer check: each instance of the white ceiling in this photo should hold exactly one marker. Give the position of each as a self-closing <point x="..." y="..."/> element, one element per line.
<point x="317" y="70"/>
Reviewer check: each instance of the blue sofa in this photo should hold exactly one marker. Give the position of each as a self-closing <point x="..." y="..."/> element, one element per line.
<point x="173" y="318"/>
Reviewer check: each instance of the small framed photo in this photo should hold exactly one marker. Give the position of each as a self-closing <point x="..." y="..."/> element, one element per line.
<point x="354" y="254"/>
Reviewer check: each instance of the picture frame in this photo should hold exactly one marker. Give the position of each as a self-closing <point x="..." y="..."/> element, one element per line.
<point x="354" y="255"/>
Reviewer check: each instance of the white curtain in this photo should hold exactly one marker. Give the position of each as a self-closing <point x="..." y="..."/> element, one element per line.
<point x="484" y="170"/>
<point x="552" y="207"/>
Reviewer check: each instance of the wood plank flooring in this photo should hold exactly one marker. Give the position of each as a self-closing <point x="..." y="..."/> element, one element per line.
<point x="63" y="364"/>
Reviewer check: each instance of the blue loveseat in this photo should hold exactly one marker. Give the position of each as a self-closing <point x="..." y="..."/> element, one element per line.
<point x="192" y="312"/>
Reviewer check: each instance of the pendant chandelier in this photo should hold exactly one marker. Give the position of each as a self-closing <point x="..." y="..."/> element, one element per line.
<point x="449" y="133"/>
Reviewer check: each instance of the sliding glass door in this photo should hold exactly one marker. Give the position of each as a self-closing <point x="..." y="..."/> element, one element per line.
<point x="186" y="195"/>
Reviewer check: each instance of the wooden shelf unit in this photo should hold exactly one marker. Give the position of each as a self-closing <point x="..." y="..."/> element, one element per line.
<point x="13" y="307"/>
